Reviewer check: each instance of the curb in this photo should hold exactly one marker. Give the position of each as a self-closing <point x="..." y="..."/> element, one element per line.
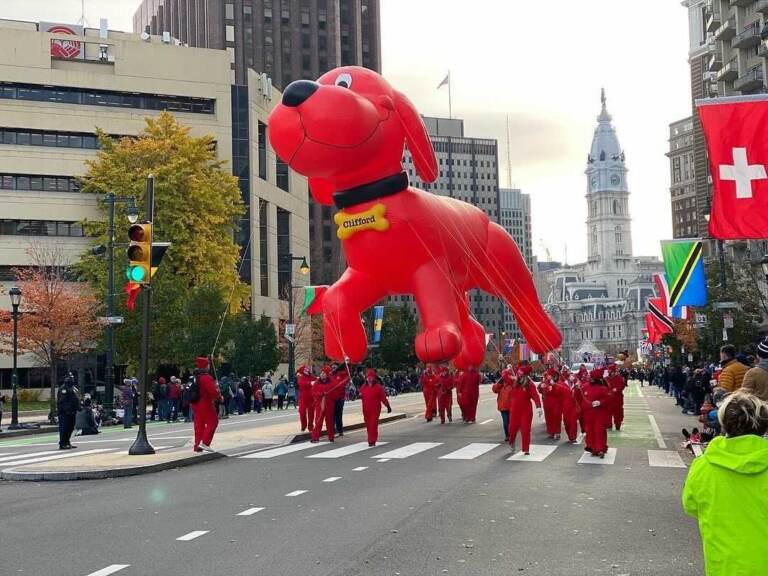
<point x="45" y="429"/>
<point x="70" y="475"/>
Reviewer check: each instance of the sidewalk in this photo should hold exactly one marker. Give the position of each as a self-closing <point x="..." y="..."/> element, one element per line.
<point x="106" y="463"/>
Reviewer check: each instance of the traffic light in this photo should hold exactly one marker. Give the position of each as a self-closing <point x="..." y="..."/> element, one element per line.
<point x="139" y="253"/>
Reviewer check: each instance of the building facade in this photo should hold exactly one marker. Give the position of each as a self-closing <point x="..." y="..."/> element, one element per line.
<point x="467" y="170"/>
<point x="56" y="89"/>
<point x="600" y="304"/>
<point x="515" y="218"/>
<point x="682" y="176"/>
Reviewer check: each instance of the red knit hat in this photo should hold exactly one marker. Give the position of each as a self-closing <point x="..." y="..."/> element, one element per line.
<point x="524" y="370"/>
<point x="370" y="373"/>
<point x="596" y="374"/>
<point x="201" y="363"/>
<point x="327" y="370"/>
<point x="161" y="380"/>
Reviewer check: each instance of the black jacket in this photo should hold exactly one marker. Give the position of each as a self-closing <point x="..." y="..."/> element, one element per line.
<point x="67" y="402"/>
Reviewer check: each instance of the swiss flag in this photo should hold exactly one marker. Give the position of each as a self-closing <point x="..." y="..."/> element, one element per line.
<point x="737" y="142"/>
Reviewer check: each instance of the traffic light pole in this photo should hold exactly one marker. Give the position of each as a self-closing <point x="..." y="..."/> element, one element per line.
<point x="141" y="445"/>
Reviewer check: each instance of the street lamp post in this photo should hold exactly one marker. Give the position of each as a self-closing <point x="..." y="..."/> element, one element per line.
<point x="304" y="269"/>
<point x="15" y="294"/>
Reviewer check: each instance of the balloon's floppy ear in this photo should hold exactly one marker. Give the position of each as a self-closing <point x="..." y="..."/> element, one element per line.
<point x="322" y="191"/>
<point x="416" y="138"/>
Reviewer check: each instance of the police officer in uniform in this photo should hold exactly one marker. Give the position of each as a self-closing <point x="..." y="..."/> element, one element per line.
<point x="67" y="404"/>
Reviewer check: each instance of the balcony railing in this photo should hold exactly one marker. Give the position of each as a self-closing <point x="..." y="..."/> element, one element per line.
<point x="715" y="62"/>
<point x="747" y="38"/>
<point x="729" y="72"/>
<point x="727" y="30"/>
<point x="752" y="80"/>
<point x="714" y="19"/>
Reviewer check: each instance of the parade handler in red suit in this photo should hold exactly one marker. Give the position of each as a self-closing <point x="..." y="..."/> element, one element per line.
<point x="306" y="402"/>
<point x="568" y="407"/>
<point x="373" y="396"/>
<point x="520" y="409"/>
<point x="552" y="403"/>
<point x="595" y="405"/>
<point x="616" y="384"/>
<point x="321" y="395"/>
<point x="204" y="407"/>
<point x="469" y="384"/>
<point x="428" y="382"/>
<point x="445" y="386"/>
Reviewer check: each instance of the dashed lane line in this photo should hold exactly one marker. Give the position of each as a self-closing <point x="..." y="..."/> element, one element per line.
<point x="250" y="511"/>
<point x="332" y="479"/>
<point x="296" y="493"/>
<point x="486" y="421"/>
<point x="192" y="535"/>
<point x="109" y="570"/>
<point x="359" y="468"/>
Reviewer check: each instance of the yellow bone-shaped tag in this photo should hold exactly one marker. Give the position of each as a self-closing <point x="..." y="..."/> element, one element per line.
<point x="372" y="219"/>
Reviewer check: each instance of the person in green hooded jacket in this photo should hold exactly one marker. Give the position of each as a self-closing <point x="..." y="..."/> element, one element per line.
<point x="727" y="491"/>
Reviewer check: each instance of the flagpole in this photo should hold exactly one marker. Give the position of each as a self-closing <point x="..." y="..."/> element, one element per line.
<point x="450" y="109"/>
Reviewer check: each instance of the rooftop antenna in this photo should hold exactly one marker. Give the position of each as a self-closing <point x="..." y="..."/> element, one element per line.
<point x="509" y="157"/>
<point x="82" y="22"/>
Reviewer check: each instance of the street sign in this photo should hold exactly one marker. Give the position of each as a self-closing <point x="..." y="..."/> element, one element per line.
<point x="725" y="305"/>
<point x="728" y="321"/>
<point x="111" y="319"/>
<point x="690" y="357"/>
<point x="701" y="319"/>
<point x="290" y="329"/>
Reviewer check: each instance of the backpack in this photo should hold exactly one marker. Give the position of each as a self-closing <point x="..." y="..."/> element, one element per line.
<point x="194" y="391"/>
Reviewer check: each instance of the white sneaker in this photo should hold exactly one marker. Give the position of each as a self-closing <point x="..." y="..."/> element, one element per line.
<point x="206" y="448"/>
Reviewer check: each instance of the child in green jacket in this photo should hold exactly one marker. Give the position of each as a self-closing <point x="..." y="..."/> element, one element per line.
<point x="727" y="491"/>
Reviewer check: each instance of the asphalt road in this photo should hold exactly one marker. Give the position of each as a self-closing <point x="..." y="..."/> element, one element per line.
<point x="373" y="513"/>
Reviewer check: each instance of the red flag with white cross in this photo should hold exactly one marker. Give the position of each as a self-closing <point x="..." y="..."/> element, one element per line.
<point x="736" y="130"/>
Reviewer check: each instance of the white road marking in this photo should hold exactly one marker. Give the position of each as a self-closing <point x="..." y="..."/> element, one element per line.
<point x="408" y="451"/>
<point x="470" y="451"/>
<point x="250" y="511"/>
<point x="70" y="454"/>
<point x="610" y="458"/>
<point x="332" y="479"/>
<point x="109" y="570"/>
<point x="296" y="493"/>
<point x="657" y="432"/>
<point x="486" y="421"/>
<point x="158" y="448"/>
<point x="665" y="459"/>
<point x="192" y="535"/>
<point x="639" y="391"/>
<point x="344" y="450"/>
<point x="29" y="455"/>
<point x="275" y="452"/>
<point x="539" y="453"/>
<point x="360" y="468"/>
<point x="384" y="460"/>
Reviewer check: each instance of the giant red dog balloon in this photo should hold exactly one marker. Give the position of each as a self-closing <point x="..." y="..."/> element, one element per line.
<point x="346" y="133"/>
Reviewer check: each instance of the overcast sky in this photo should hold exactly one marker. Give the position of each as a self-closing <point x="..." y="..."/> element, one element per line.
<point x="543" y="68"/>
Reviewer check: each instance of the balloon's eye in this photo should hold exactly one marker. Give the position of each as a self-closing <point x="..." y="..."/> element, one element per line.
<point x="344" y="80"/>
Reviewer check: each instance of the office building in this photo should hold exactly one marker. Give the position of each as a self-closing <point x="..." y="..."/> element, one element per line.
<point x="682" y="174"/>
<point x="515" y="218"/>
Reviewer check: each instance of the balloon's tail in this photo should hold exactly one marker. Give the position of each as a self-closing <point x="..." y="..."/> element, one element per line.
<point x="313" y="300"/>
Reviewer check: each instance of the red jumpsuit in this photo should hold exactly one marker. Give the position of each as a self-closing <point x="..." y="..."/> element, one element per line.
<point x="469" y="383"/>
<point x="595" y="417"/>
<point x="373" y="396"/>
<point x="521" y="413"/>
<point x="616" y="385"/>
<point x="568" y="408"/>
<point x="553" y="411"/>
<point x="428" y="382"/>
<point x="445" y="396"/>
<point x="206" y="418"/>
<point x="306" y="401"/>
<point x="321" y="395"/>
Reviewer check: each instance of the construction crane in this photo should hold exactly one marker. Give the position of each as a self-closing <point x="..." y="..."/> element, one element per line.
<point x="544" y="247"/>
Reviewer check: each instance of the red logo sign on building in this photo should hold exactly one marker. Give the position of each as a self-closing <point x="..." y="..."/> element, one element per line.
<point x="61" y="48"/>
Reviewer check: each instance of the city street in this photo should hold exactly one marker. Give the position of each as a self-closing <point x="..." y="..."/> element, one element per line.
<point x="434" y="499"/>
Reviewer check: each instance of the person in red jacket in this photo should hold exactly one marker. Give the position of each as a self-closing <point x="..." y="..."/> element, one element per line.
<point x="503" y="391"/>
<point x="568" y="408"/>
<point x="552" y="403"/>
<point x="321" y="394"/>
<point x="469" y="384"/>
<point x="304" y="377"/>
<point x="445" y="384"/>
<point x="428" y="381"/>
<point x="616" y="385"/>
<point x="595" y="405"/>
<point x="520" y="410"/>
<point x="373" y="396"/>
<point x="204" y="407"/>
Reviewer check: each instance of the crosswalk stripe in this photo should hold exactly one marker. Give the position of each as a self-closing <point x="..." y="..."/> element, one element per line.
<point x="409" y="450"/>
<point x="29" y="455"/>
<point x="610" y="458"/>
<point x="345" y="450"/>
<point x="109" y="570"/>
<point x="332" y="479"/>
<point x="250" y="511"/>
<point x="470" y="451"/>
<point x="71" y="454"/>
<point x="296" y="493"/>
<point x="274" y="452"/>
<point x="665" y="459"/>
<point x="538" y="453"/>
<point x="192" y="535"/>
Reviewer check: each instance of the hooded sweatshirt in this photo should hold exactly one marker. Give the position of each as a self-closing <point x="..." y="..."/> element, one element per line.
<point x="727" y="491"/>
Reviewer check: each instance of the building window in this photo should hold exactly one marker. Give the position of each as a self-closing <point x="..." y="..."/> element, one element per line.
<point x="263" y="247"/>
<point x="618" y="235"/>
<point x="23" y="137"/>
<point x="89" y="97"/>
<point x="283" y="178"/>
<point x="37" y="182"/>
<point x="285" y="267"/>
<point x="262" y="151"/>
<point x="229" y="11"/>
<point x="40" y="228"/>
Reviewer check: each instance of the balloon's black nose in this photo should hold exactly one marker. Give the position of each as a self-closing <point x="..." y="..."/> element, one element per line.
<point x="298" y="91"/>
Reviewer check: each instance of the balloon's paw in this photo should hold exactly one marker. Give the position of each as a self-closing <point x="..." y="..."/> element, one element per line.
<point x="438" y="344"/>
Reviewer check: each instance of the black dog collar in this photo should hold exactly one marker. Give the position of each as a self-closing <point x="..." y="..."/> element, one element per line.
<point x="366" y="192"/>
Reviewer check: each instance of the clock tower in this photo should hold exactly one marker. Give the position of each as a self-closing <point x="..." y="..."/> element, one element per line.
<point x="609" y="226"/>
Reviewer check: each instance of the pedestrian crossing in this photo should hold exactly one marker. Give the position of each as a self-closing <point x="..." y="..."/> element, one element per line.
<point x="472" y="451"/>
<point x="9" y="460"/>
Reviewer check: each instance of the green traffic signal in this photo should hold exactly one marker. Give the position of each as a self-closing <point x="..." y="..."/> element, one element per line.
<point x="136" y="273"/>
